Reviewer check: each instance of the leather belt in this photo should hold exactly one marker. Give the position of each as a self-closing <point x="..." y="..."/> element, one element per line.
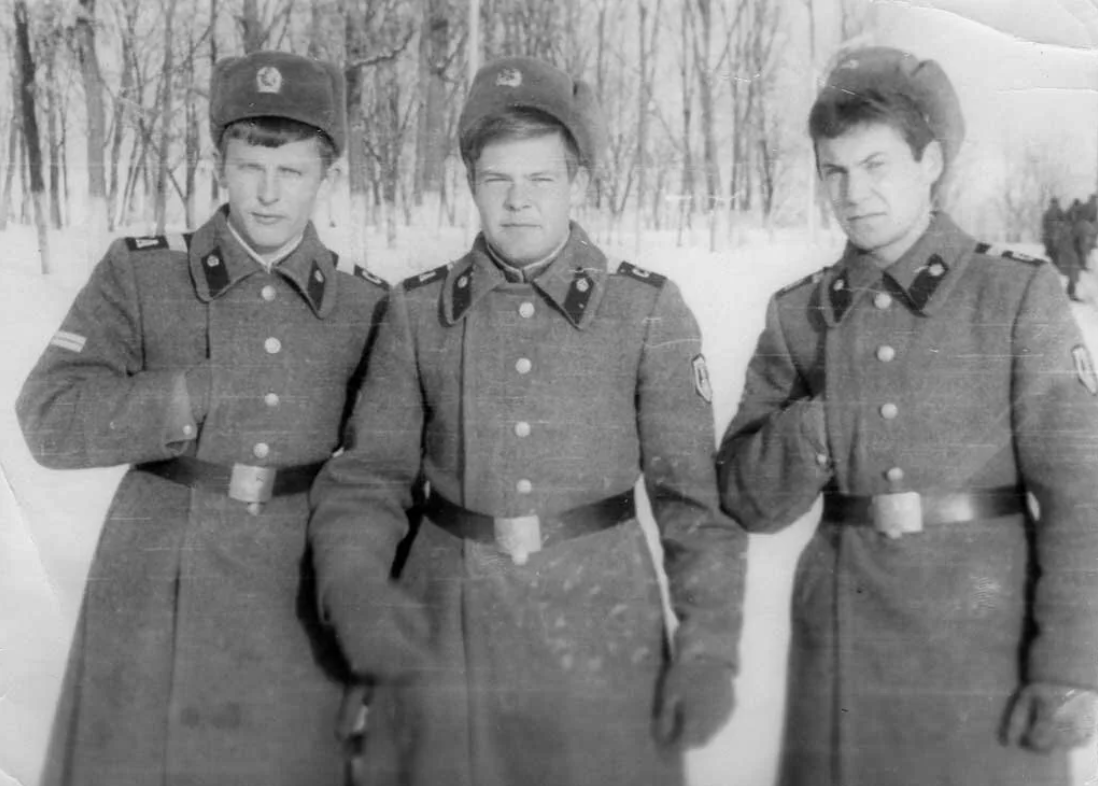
<point x="907" y="512"/>
<point x="241" y="482"/>
<point x="521" y="536"/>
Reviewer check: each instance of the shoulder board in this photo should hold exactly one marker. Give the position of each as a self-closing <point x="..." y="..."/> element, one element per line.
<point x="173" y="242"/>
<point x="366" y="275"/>
<point x="811" y="278"/>
<point x="640" y="274"/>
<point x="425" y="278"/>
<point x="987" y="249"/>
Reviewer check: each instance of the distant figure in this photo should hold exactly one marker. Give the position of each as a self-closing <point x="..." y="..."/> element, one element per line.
<point x="1049" y="224"/>
<point x="1091" y="208"/>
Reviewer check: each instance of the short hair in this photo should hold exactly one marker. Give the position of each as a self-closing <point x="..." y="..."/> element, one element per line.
<point x="516" y="123"/>
<point x="275" y="131"/>
<point x="833" y="116"/>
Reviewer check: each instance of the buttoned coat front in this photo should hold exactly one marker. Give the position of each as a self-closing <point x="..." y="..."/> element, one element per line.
<point x="514" y="399"/>
<point x="197" y="658"/>
<point x="955" y="369"/>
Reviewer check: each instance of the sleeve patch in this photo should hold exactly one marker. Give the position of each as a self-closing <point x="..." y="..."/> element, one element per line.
<point x="73" y="342"/>
<point x="1084" y="368"/>
<point x="702" y="386"/>
<point x="366" y="275"/>
<point x="146" y="243"/>
<point x="640" y="274"/>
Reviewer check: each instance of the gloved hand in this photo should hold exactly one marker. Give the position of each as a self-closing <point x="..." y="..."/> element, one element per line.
<point x="387" y="638"/>
<point x="1045" y="717"/>
<point x="695" y="699"/>
<point x="352" y="721"/>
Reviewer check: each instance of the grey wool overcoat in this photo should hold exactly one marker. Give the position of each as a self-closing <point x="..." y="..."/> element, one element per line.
<point x="518" y="398"/>
<point x="956" y="369"/>
<point x="198" y="658"/>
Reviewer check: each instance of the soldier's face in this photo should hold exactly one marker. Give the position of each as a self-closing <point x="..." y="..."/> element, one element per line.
<point x="525" y="196"/>
<point x="272" y="190"/>
<point x="880" y="193"/>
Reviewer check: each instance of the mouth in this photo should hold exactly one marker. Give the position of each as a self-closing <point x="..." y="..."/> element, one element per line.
<point x="863" y="217"/>
<point x="266" y="219"/>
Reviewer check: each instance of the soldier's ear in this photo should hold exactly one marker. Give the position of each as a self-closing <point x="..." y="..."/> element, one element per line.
<point x="578" y="191"/>
<point x="219" y="167"/>
<point x="933" y="161"/>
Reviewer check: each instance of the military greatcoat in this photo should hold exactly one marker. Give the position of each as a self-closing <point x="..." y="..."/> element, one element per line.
<point x="197" y="657"/>
<point x="956" y="369"/>
<point x="514" y="399"/>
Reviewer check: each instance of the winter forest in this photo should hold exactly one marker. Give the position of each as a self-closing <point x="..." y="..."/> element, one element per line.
<point x="104" y="123"/>
<point x="709" y="179"/>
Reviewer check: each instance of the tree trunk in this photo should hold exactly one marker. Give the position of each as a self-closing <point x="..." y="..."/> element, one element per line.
<point x="686" y="187"/>
<point x="215" y="195"/>
<point x="434" y="45"/>
<point x="356" y="128"/>
<point x="165" y="111"/>
<point x="97" y="135"/>
<point x="13" y="155"/>
<point x="30" y="131"/>
<point x="53" y="142"/>
<point x="702" y="54"/>
<point x="252" y="28"/>
<point x="190" y="147"/>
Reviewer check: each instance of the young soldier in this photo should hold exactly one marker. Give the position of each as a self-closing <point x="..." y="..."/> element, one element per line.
<point x="219" y="365"/>
<point x="531" y="386"/>
<point x="923" y="384"/>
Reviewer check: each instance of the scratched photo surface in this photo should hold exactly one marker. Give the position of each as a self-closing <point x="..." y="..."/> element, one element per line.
<point x="1026" y="72"/>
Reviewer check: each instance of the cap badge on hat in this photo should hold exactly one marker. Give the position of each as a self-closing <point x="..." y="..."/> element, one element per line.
<point x="268" y="79"/>
<point x="509" y="77"/>
<point x="850" y="65"/>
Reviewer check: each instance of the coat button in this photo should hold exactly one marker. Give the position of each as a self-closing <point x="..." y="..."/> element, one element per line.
<point x="524" y="486"/>
<point x="255" y="508"/>
<point x="523" y="365"/>
<point x="267" y="293"/>
<point x="188" y="430"/>
<point x="261" y="450"/>
<point x="273" y="346"/>
<point x="885" y="353"/>
<point x="895" y="474"/>
<point x="522" y="429"/>
<point x="821" y="459"/>
<point x="271" y="399"/>
<point x="882" y="300"/>
<point x="526" y="310"/>
<point x="889" y="411"/>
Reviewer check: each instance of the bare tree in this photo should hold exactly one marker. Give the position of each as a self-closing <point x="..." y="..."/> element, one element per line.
<point x="164" y="116"/>
<point x="93" y="101"/>
<point x="30" y="129"/>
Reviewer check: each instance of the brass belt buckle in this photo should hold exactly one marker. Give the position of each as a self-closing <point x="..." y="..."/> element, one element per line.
<point x="518" y="537"/>
<point x="897" y="514"/>
<point x="251" y="484"/>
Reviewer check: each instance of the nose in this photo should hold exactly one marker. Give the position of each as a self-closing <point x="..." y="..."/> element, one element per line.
<point x="518" y="196"/>
<point x="856" y="187"/>
<point x="268" y="187"/>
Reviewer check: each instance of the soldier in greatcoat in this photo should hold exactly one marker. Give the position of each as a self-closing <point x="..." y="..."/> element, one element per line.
<point x="1050" y="222"/>
<point x="924" y="384"/>
<point x="531" y="384"/>
<point x="220" y="364"/>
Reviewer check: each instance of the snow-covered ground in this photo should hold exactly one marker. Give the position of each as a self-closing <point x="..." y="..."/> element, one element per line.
<point x="49" y="521"/>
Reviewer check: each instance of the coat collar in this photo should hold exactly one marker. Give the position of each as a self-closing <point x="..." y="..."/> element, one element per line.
<point x="924" y="276"/>
<point x="574" y="282"/>
<point x="218" y="263"/>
